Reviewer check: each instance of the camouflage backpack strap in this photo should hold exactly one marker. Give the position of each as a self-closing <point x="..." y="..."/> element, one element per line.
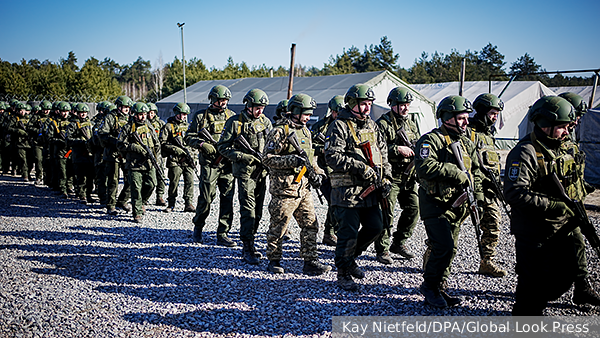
<point x="539" y="154"/>
<point x="353" y="132"/>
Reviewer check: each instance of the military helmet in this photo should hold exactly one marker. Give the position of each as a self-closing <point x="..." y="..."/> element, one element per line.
<point x="256" y="97"/>
<point x="152" y="107"/>
<point x="124" y="100"/>
<point x="301" y="104"/>
<point x="110" y="107"/>
<point x="451" y="106"/>
<point x="82" y="107"/>
<point x="576" y="101"/>
<point x="21" y="105"/>
<point x="219" y="92"/>
<point x="28" y="107"/>
<point x="101" y="106"/>
<point x="550" y="111"/>
<point x="139" y="107"/>
<point x="46" y="105"/>
<point x="13" y="103"/>
<point x="336" y="103"/>
<point x="358" y="92"/>
<point x="36" y="108"/>
<point x="282" y="107"/>
<point x="63" y="106"/>
<point x="3" y="105"/>
<point x="398" y="96"/>
<point x="485" y="102"/>
<point x="181" y="108"/>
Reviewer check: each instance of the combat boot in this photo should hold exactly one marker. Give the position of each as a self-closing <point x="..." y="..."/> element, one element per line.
<point x="189" y="208"/>
<point x="111" y="211"/>
<point x="355" y="271"/>
<point x="450" y="300"/>
<point x="137" y="219"/>
<point x="248" y="253"/>
<point x="160" y="202"/>
<point x="330" y="239"/>
<point x="384" y="258"/>
<point x="275" y="267"/>
<point x="402" y="250"/>
<point x="315" y="268"/>
<point x="223" y="240"/>
<point x="345" y="281"/>
<point x="197" y="235"/>
<point x="432" y="295"/>
<point x="124" y="206"/>
<point x="487" y="267"/>
<point x="584" y="293"/>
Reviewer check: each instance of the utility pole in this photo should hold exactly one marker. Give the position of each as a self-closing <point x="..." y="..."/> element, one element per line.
<point x="180" y="25"/>
<point x="291" y="80"/>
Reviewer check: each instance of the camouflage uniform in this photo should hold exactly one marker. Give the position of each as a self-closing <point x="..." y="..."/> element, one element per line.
<point x="404" y="186"/>
<point x="98" y="154"/>
<point x="113" y="160"/>
<point x="176" y="162"/>
<point x="16" y="128"/>
<point x="78" y="133"/>
<point x="5" y="150"/>
<point x="34" y="128"/>
<point x="158" y="124"/>
<point x="212" y="175"/>
<point x="56" y="130"/>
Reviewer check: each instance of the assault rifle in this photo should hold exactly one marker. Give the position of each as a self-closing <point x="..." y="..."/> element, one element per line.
<point x="582" y="220"/>
<point x="408" y="172"/>
<point x="150" y="155"/>
<point x="206" y="134"/>
<point x="313" y="177"/>
<point x="496" y="188"/>
<point x="320" y="138"/>
<point x="245" y="147"/>
<point x="188" y="156"/>
<point x="468" y="195"/>
<point x="365" y="147"/>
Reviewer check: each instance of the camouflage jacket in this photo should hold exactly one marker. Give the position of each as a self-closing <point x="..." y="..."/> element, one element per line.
<point x="135" y="157"/>
<point x="318" y="131"/>
<point x="172" y="131"/>
<point x="214" y="121"/>
<point x="108" y="132"/>
<point x="79" y="133"/>
<point x="390" y="124"/>
<point x="17" y="130"/>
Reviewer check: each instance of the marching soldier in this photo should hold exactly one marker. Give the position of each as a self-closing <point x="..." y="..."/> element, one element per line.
<point x="56" y="133"/>
<point x="19" y="138"/>
<point x="35" y="129"/>
<point x="78" y="133"/>
<point x="157" y="123"/>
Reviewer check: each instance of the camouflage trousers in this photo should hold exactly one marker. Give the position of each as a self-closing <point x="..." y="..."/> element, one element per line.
<point x="210" y="180"/>
<point x="282" y="209"/>
<point x="142" y="183"/>
<point x="490" y="228"/>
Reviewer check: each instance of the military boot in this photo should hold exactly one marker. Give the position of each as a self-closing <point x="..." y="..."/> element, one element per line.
<point x="330" y="239"/>
<point x="487" y="267"/>
<point x="450" y="300"/>
<point x="189" y="208"/>
<point x="123" y="205"/>
<point x="223" y="240"/>
<point x="384" y="258"/>
<point x="355" y="271"/>
<point x="432" y="295"/>
<point x="584" y="293"/>
<point x="275" y="267"/>
<point x="345" y="281"/>
<point x="248" y="253"/>
<point x="197" y="235"/>
<point x="402" y="250"/>
<point x="314" y="268"/>
<point x="160" y="202"/>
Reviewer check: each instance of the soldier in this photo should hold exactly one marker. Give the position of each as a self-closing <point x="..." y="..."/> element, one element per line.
<point x="441" y="182"/>
<point x="481" y="132"/>
<point x="290" y="188"/>
<point x="135" y="139"/>
<point x="3" y="114"/>
<point x="401" y="134"/>
<point x="102" y="109"/>
<point x="215" y="171"/>
<point x="56" y="130"/>
<point x="78" y="133"/>
<point x="178" y="161"/>
<point x="113" y="160"/>
<point x="580" y="109"/>
<point x="353" y="173"/>
<point x="253" y="126"/>
<point x="157" y="123"/>
<point x="35" y="129"/>
<point x="547" y="262"/>
<point x="19" y="138"/>
<point x="281" y="111"/>
<point x="318" y="131"/>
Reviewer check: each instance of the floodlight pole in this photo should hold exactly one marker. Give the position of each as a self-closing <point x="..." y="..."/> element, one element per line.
<point x="180" y="25"/>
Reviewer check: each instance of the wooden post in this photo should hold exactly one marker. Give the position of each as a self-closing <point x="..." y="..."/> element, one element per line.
<point x="462" y="77"/>
<point x="291" y="81"/>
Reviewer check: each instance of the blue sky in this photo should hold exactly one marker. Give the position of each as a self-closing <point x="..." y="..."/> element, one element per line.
<point x="558" y="35"/>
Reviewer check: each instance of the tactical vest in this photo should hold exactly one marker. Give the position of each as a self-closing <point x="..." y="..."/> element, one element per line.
<point x="412" y="135"/>
<point x="253" y="130"/>
<point x="145" y="134"/>
<point x="215" y="123"/>
<point x="84" y="129"/>
<point x="178" y="130"/>
<point x="487" y="147"/>
<point x="369" y="133"/>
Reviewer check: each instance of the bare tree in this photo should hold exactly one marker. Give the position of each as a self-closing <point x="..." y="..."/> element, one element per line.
<point x="158" y="75"/>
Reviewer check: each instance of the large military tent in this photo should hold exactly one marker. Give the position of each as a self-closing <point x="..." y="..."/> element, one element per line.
<point x="518" y="97"/>
<point x="583" y="91"/>
<point x="321" y="88"/>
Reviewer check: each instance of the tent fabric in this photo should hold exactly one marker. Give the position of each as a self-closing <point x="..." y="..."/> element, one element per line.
<point x="583" y="91"/>
<point x="321" y="88"/>
<point x="517" y="97"/>
<point x="590" y="144"/>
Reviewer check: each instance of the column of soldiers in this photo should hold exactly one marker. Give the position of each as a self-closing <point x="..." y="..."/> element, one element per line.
<point x="363" y="169"/>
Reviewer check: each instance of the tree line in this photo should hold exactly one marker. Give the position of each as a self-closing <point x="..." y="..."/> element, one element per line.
<point x="104" y="80"/>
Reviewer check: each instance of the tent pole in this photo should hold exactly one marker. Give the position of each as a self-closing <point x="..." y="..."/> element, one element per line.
<point x="508" y="84"/>
<point x="291" y="81"/>
<point x="593" y="92"/>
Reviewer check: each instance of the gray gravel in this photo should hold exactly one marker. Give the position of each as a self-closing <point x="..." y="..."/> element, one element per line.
<point x="70" y="270"/>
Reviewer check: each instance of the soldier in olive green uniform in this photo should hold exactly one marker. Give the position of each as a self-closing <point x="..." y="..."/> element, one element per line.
<point x="398" y="128"/>
<point x="547" y="265"/>
<point x="157" y="123"/>
<point x="102" y="109"/>
<point x="290" y="196"/>
<point x="281" y="110"/>
<point x="19" y="138"/>
<point x="5" y="142"/>
<point x="580" y="107"/>
<point x="56" y="133"/>
<point x="441" y="183"/>
<point x="318" y="130"/>
<point x="142" y="175"/>
<point x="35" y="129"/>
<point x="113" y="160"/>
<point x="215" y="170"/>
<point x="254" y="126"/>
<point x="171" y="140"/>
<point x="481" y="132"/>
<point x="351" y="175"/>
<point x="78" y="133"/>
<point x="3" y="114"/>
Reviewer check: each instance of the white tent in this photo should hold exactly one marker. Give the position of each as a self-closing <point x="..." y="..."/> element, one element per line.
<point x="583" y="91"/>
<point x="518" y="97"/>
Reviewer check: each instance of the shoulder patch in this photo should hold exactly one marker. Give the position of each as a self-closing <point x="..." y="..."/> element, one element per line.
<point x="514" y="170"/>
<point x="424" y="151"/>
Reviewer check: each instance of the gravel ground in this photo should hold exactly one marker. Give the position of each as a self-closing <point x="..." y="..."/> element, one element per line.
<point x="70" y="270"/>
